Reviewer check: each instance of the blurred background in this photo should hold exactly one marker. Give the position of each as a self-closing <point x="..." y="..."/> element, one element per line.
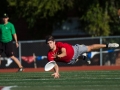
<point x="73" y="21"/>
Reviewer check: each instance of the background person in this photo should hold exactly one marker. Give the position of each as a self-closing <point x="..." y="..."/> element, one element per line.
<point x="7" y="33"/>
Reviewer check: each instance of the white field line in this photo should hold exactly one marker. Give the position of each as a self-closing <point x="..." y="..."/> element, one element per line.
<point x="58" y="80"/>
<point x="7" y="87"/>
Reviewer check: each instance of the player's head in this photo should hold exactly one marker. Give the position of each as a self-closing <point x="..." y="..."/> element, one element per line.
<point x="49" y="38"/>
<point x="50" y="41"/>
<point x="5" y="17"/>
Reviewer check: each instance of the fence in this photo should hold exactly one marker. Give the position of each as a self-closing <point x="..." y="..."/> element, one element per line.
<point x="33" y="53"/>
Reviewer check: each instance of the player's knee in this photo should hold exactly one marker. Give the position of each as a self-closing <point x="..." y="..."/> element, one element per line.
<point x="12" y="57"/>
<point x="90" y="48"/>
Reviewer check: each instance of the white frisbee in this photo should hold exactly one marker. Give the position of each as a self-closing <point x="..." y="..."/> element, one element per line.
<point x="49" y="65"/>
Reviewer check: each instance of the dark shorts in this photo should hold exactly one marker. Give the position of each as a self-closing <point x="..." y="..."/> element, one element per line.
<point x="7" y="48"/>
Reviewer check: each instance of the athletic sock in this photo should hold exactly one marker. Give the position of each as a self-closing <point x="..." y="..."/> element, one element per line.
<point x="106" y="45"/>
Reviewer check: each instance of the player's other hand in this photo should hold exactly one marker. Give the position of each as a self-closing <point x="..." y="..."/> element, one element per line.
<point x="55" y="56"/>
<point x="56" y="75"/>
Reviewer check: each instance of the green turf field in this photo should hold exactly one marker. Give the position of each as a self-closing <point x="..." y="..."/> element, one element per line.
<point x="77" y="80"/>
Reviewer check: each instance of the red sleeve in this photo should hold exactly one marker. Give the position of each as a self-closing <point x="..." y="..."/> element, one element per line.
<point x="49" y="57"/>
<point x="59" y="44"/>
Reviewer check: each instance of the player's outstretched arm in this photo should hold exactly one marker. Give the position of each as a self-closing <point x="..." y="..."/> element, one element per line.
<point x="56" y="73"/>
<point x="63" y="53"/>
<point x="56" y="56"/>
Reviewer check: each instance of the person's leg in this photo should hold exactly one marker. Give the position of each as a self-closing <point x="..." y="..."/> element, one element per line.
<point x="98" y="46"/>
<point x="0" y="61"/>
<point x="10" y="54"/>
<point x="1" y="50"/>
<point x="80" y="53"/>
<point x="16" y="61"/>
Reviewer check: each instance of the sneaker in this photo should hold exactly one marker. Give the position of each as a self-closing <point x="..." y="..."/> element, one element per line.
<point x="20" y="69"/>
<point x="114" y="45"/>
<point x="88" y="61"/>
<point x="84" y="56"/>
<point x="9" y="61"/>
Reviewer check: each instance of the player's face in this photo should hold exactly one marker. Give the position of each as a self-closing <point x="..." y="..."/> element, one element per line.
<point x="5" y="20"/>
<point x="51" y="44"/>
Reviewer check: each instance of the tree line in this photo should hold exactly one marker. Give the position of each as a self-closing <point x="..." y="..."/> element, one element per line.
<point x="98" y="17"/>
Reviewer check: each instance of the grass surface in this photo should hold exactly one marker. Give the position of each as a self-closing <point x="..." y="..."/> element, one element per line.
<point x="77" y="80"/>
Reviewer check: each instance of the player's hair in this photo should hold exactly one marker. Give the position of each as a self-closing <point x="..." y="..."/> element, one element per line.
<point x="49" y="38"/>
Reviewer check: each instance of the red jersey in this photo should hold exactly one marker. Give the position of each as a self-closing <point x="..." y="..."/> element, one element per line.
<point x="59" y="45"/>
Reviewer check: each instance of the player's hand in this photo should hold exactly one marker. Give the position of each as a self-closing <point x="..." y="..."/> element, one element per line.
<point x="54" y="56"/>
<point x="56" y="75"/>
<point x="17" y="45"/>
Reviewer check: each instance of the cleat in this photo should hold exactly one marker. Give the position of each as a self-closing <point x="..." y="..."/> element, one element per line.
<point x="88" y="61"/>
<point x="113" y="45"/>
<point x="20" y="69"/>
<point x="84" y="56"/>
<point x="9" y="61"/>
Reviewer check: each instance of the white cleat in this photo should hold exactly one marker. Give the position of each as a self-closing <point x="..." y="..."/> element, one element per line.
<point x="9" y="61"/>
<point x="89" y="62"/>
<point x="85" y="58"/>
<point x="113" y="45"/>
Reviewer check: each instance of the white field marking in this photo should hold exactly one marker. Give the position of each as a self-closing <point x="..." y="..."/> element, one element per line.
<point x="58" y="80"/>
<point x="29" y="79"/>
<point x="7" y="87"/>
<point x="102" y="78"/>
